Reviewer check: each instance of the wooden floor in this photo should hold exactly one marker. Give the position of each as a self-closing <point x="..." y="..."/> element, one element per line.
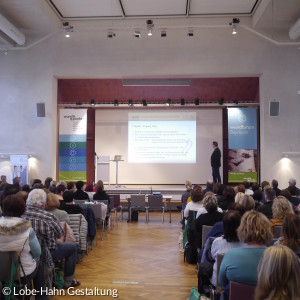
<point x="137" y="261"/>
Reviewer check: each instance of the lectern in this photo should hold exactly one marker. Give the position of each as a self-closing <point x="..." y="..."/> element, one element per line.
<point x="116" y="159"/>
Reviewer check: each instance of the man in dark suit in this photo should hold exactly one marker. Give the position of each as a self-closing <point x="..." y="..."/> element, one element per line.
<point x="215" y="162"/>
<point x="266" y="208"/>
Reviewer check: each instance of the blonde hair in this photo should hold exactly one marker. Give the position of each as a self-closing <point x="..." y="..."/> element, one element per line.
<point x="278" y="275"/>
<point x="188" y="185"/>
<point x="281" y="206"/>
<point x="210" y="202"/>
<point x="246" y="201"/>
<point x="52" y="202"/>
<point x="238" y="197"/>
<point x="255" y="227"/>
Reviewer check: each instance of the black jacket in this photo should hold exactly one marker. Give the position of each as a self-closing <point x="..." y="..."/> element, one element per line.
<point x="215" y="159"/>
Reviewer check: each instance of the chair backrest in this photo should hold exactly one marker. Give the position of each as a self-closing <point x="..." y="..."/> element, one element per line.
<point x="79" y="202"/>
<point x="240" y="291"/>
<point x="117" y="199"/>
<point x="205" y="230"/>
<point x="8" y="262"/>
<point x="155" y="201"/>
<point x="137" y="201"/>
<point x="277" y="231"/>
<point x="191" y="217"/>
<point x="111" y="203"/>
<point x="184" y="202"/>
<point x="102" y="201"/>
<point x="220" y="257"/>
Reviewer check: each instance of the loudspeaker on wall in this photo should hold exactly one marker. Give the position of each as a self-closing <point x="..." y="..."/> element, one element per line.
<point x="274" y="109"/>
<point x="40" y="110"/>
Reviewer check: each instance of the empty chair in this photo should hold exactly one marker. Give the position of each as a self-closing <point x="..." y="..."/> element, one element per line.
<point x="138" y="202"/>
<point x="240" y="291"/>
<point x="205" y="230"/>
<point x="155" y="202"/>
<point x="117" y="205"/>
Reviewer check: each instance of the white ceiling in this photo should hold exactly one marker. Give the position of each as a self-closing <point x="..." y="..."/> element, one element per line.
<point x="40" y="19"/>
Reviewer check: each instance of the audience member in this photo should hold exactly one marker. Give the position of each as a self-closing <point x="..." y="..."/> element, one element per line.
<point x="70" y="207"/>
<point x="185" y="195"/>
<point x="52" y="187"/>
<point x="278" y="275"/>
<point x="266" y="208"/>
<point x="80" y="194"/>
<point x="47" y="182"/>
<point x="294" y="199"/>
<point x="52" y="205"/>
<point x="48" y="230"/>
<point x="248" y="191"/>
<point x="222" y="244"/>
<point x="101" y="193"/>
<point x="274" y="185"/>
<point x="240" y="264"/>
<point x="60" y="189"/>
<point x="292" y="182"/>
<point x="70" y="185"/>
<point x="244" y="203"/>
<point x="209" y="187"/>
<point x="26" y="188"/>
<point x="286" y="193"/>
<point x="280" y="208"/>
<point x="228" y="198"/>
<point x="16" y="234"/>
<point x="196" y="203"/>
<point x="241" y="188"/>
<point x="89" y="189"/>
<point x="238" y="197"/>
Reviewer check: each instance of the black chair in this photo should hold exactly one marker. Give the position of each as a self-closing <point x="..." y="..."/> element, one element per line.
<point x="155" y="202"/>
<point x="138" y="202"/>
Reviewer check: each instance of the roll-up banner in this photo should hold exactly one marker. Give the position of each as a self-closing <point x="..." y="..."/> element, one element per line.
<point x="242" y="144"/>
<point x="72" y="144"/>
<point x="19" y="168"/>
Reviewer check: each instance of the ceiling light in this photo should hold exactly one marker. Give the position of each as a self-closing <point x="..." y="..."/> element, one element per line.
<point x="110" y="34"/>
<point x="68" y="28"/>
<point x="137" y="34"/>
<point x="182" y="102"/>
<point x="130" y="103"/>
<point x="234" y="24"/>
<point x="163" y="33"/>
<point x="221" y="101"/>
<point x="116" y="102"/>
<point x="169" y="101"/>
<point x="144" y="102"/>
<point x="190" y="33"/>
<point x="197" y="101"/>
<point x="234" y="29"/>
<point x="150" y="26"/>
<point x="92" y="102"/>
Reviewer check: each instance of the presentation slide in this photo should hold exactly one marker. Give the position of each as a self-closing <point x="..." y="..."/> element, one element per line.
<point x="162" y="137"/>
<point x="162" y="146"/>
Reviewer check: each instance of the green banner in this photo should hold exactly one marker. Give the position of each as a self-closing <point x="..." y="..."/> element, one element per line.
<point x="72" y="176"/>
<point x="242" y="176"/>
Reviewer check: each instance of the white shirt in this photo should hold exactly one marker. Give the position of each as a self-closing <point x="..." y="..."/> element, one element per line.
<point x="203" y="210"/>
<point x="192" y="206"/>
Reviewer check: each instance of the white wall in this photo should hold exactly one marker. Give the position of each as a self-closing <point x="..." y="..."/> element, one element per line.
<point x="28" y="77"/>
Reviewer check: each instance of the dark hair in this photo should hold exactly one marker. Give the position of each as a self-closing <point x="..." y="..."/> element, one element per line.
<point x="70" y="185"/>
<point x="255" y="186"/>
<point x="37" y="186"/>
<point x="241" y="188"/>
<point x="52" y="188"/>
<point x="79" y="185"/>
<point x="60" y="188"/>
<point x="89" y="187"/>
<point x="257" y="195"/>
<point x="274" y="183"/>
<point x="197" y="193"/>
<point x="13" y="206"/>
<point x="231" y="222"/>
<point x="221" y="189"/>
<point x="246" y="184"/>
<point x="99" y="186"/>
<point x="36" y="181"/>
<point x="215" y="143"/>
<point x="9" y="189"/>
<point x="286" y="193"/>
<point x="68" y="196"/>
<point x="209" y="184"/>
<point x="293" y="190"/>
<point x="3" y="185"/>
<point x="47" y="182"/>
<point x="229" y="194"/>
<point x="264" y="183"/>
<point x="291" y="231"/>
<point x="270" y="193"/>
<point x="216" y="187"/>
<point x="26" y="188"/>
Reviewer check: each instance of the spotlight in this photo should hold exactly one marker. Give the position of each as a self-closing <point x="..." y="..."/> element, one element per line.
<point x="144" y="102"/>
<point x="169" y="101"/>
<point x="182" y="102"/>
<point x="163" y="34"/>
<point x="130" y="103"/>
<point x="236" y="102"/>
<point x="78" y="103"/>
<point x="110" y="34"/>
<point x="116" y="103"/>
<point x="190" y="33"/>
<point x="137" y="34"/>
<point x="92" y="102"/>
<point x="233" y="24"/>
<point x="234" y="29"/>
<point x="150" y="26"/>
<point x="68" y="28"/>
<point x="221" y="101"/>
<point x="197" y="101"/>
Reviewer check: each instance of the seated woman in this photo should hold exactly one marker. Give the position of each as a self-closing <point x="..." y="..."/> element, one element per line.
<point x="101" y="193"/>
<point x="89" y="189"/>
<point x="240" y="264"/>
<point x="280" y="208"/>
<point x="229" y="240"/>
<point x="209" y="218"/>
<point x="16" y="234"/>
<point x="52" y="205"/>
<point x="291" y="233"/>
<point x="278" y="275"/>
<point x="186" y="194"/>
<point x="196" y="203"/>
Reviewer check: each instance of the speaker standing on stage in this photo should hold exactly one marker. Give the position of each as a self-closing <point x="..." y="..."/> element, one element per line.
<point x="215" y="162"/>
